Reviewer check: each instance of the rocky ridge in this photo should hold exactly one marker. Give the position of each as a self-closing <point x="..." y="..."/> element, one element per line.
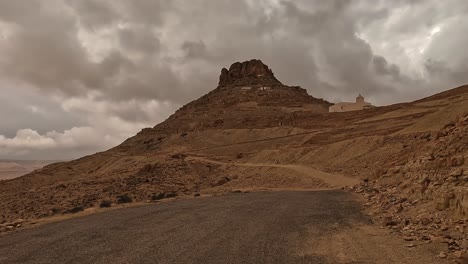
<point x="426" y="199"/>
<point x="245" y="87"/>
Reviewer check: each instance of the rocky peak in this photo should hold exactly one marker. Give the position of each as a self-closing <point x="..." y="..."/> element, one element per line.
<point x="252" y="72"/>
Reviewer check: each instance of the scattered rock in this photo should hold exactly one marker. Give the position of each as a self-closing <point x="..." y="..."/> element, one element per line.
<point x="222" y="181"/>
<point x="442" y="255"/>
<point x="388" y="221"/>
<point x="179" y="156"/>
<point x="457" y="172"/>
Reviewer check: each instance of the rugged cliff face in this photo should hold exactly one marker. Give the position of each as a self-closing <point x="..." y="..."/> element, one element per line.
<point x="425" y="196"/>
<point x="439" y="172"/>
<point x="252" y="72"/>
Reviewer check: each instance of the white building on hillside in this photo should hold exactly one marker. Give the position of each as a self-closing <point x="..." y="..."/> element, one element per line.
<point x="360" y="104"/>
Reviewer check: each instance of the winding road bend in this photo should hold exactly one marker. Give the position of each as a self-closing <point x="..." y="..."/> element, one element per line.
<point x="268" y="227"/>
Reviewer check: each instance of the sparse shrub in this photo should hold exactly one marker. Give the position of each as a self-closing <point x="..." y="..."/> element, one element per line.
<point x="105" y="204"/>
<point x="61" y="186"/>
<point x="170" y="195"/>
<point x="76" y="209"/>
<point x="196" y="195"/>
<point x="158" y="196"/>
<point x="240" y="156"/>
<point x="121" y="199"/>
<point x="179" y="156"/>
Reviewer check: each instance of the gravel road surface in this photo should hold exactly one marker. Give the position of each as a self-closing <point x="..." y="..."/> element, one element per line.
<point x="269" y="227"/>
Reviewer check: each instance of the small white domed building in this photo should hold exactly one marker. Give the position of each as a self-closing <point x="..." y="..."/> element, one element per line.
<point x="360" y="104"/>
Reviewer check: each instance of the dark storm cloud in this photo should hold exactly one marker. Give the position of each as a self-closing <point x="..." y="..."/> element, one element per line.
<point x="161" y="44"/>
<point x="309" y="43"/>
<point x="46" y="51"/>
<point x="124" y="64"/>
<point x="381" y="66"/>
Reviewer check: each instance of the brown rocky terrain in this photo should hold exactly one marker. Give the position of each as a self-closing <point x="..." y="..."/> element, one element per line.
<point x="254" y="133"/>
<point x="424" y="197"/>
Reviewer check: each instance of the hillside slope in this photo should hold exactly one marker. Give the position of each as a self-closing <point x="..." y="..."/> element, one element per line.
<point x="244" y="135"/>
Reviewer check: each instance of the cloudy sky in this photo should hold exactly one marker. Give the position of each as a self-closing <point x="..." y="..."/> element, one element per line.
<point x="80" y="76"/>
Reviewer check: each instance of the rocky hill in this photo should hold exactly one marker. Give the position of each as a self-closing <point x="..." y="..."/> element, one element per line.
<point x="254" y="133"/>
<point x="245" y="88"/>
<point x="150" y="165"/>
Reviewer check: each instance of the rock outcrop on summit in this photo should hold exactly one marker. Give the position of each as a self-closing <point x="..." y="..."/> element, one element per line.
<point x="252" y="72"/>
<point x="245" y="87"/>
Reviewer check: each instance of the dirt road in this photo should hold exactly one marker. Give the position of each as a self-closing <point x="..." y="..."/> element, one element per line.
<point x="331" y="181"/>
<point x="270" y="227"/>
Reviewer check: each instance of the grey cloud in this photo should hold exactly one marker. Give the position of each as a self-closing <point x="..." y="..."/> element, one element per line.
<point x="46" y="52"/>
<point x="149" y="51"/>
<point x="311" y="43"/>
<point x="382" y="67"/>
<point x="338" y="49"/>
<point x="15" y="11"/>
<point x="151" y="12"/>
<point x="22" y="108"/>
<point x="95" y="14"/>
<point x="290" y="38"/>
<point x="195" y="49"/>
<point x="139" y="40"/>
